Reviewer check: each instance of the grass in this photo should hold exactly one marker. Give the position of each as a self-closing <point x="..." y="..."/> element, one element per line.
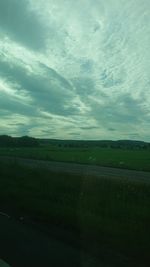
<point x="120" y="158"/>
<point x="102" y="212"/>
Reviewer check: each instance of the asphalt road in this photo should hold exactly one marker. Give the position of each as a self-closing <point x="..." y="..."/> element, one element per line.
<point x="83" y="169"/>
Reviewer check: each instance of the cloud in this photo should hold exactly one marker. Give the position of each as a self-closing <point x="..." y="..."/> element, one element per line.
<point x="75" y="76"/>
<point x="48" y="90"/>
<point x="120" y="110"/>
<point x="111" y="129"/>
<point x="108" y="79"/>
<point x="22" y="24"/>
<point x="89" y="128"/>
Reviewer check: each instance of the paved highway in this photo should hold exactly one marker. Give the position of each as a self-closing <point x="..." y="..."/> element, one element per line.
<point x="82" y="169"/>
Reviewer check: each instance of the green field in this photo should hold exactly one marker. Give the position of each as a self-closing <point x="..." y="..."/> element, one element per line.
<point x="120" y="158"/>
<point x="103" y="214"/>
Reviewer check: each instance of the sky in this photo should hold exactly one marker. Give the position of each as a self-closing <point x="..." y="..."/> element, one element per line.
<point x="75" y="69"/>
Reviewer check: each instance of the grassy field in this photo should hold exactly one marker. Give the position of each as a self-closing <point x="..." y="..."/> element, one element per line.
<point x="121" y="158"/>
<point x="103" y="214"/>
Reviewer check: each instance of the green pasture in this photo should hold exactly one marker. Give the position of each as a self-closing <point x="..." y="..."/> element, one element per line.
<point x="120" y="158"/>
<point x="101" y="213"/>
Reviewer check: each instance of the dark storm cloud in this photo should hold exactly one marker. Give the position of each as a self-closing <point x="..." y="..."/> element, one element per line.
<point x="21" y="24"/>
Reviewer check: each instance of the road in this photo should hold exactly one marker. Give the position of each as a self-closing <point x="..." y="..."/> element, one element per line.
<point x="82" y="169"/>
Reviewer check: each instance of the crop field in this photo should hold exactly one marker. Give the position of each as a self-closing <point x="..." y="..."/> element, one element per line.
<point x="120" y="158"/>
<point x="103" y="214"/>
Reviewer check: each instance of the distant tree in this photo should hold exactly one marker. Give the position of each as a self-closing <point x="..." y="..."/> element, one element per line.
<point x="25" y="141"/>
<point x="6" y="141"/>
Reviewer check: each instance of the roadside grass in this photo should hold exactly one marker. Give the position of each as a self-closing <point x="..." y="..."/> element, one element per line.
<point x="101" y="212"/>
<point x="120" y="158"/>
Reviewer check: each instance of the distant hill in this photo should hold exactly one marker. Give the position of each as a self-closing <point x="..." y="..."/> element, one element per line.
<point x="26" y="141"/>
<point x="122" y="144"/>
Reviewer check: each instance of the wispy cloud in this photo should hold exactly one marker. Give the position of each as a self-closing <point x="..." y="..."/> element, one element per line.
<point x="19" y="22"/>
<point x="75" y="69"/>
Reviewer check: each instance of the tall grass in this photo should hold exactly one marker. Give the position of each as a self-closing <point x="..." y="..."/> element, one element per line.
<point x="113" y="213"/>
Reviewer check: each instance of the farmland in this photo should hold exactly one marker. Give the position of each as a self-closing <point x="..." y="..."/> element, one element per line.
<point x="113" y="157"/>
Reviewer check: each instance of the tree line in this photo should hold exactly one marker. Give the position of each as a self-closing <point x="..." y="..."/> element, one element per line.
<point x="24" y="141"/>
